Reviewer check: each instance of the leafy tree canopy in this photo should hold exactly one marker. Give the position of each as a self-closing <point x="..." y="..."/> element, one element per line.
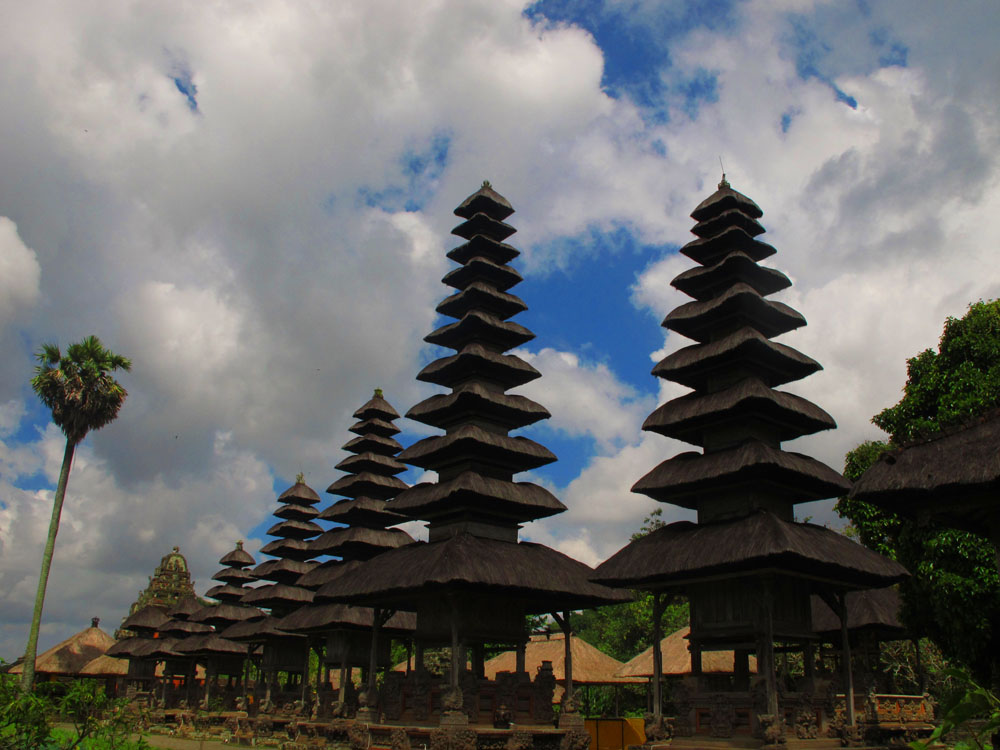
<point x="954" y="594"/>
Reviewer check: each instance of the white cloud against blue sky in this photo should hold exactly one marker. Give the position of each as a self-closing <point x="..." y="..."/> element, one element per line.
<point x="253" y="202"/>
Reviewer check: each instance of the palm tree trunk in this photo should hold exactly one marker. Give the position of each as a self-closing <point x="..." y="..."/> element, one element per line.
<point x="28" y="676"/>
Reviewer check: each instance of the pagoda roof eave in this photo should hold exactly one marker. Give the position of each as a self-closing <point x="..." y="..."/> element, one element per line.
<point x="685" y="552"/>
<point x="475" y="362"/>
<point x="543" y="579"/>
<point x="699" y="319"/>
<point x="521" y="501"/>
<point x="512" y="411"/>
<point x="322" y="618"/>
<point x="512" y="453"/>
<point x="689" y="478"/>
<point x="704" y="283"/>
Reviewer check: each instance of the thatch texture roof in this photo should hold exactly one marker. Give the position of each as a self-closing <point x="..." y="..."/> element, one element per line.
<point x="476" y="360"/>
<point x="545" y="580"/>
<point x="511" y="411"/>
<point x="148" y="618"/>
<point x="873" y="610"/>
<point x="683" y="551"/>
<point x="522" y="500"/>
<point x="483" y="247"/>
<point x="677" y="659"/>
<point x="481" y="295"/>
<point x="519" y="453"/>
<point x="70" y="656"/>
<point x="698" y="320"/>
<point x="590" y="665"/>
<point x="702" y="283"/>
<point x="320" y="618"/>
<point x="688" y="478"/>
<point x="953" y="477"/>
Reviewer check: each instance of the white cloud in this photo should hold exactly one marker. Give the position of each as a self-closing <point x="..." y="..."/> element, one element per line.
<point x="19" y="273"/>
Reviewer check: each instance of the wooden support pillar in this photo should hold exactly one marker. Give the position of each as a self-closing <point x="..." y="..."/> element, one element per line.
<point x="409" y="656"/>
<point x="919" y="665"/>
<point x="765" y="653"/>
<point x="478" y="663"/>
<point x="809" y="661"/>
<point x="305" y="674"/>
<point x="455" y="647"/>
<point x="563" y="620"/>
<point x="845" y="656"/>
<point x="208" y="683"/>
<point x="695" y="650"/>
<point x="659" y="604"/>
<point x="418" y="656"/>
<point x="519" y="656"/>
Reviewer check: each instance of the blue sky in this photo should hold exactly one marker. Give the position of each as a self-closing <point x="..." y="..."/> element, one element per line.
<point x="255" y="207"/>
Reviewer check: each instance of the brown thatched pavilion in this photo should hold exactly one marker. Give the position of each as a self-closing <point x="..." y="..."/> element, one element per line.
<point x="747" y="567"/>
<point x="473" y="582"/>
<point x="952" y="478"/>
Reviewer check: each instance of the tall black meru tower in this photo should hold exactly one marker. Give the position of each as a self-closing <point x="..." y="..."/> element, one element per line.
<point x="747" y="567"/>
<point x="473" y="582"/>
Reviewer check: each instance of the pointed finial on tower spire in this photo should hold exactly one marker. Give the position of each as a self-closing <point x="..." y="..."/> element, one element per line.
<point x="300" y="478"/>
<point x="378" y="393"/>
<point x="724" y="183"/>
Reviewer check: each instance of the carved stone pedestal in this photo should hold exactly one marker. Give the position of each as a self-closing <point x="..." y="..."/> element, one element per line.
<point x="454" y="719"/>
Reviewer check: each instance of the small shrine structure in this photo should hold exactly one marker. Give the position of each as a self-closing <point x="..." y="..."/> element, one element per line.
<point x="170" y="582"/>
<point x="747" y="567"/>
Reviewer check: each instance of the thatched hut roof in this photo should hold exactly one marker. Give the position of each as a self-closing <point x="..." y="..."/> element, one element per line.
<point x="874" y="611"/>
<point x="322" y="618"/>
<point x="953" y="476"/>
<point x="543" y="578"/>
<point x="590" y="665"/>
<point x="681" y="551"/>
<point x="677" y="659"/>
<point x="70" y="656"/>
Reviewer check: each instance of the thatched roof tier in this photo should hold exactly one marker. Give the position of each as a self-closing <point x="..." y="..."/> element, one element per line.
<point x="687" y="479"/>
<point x="740" y="306"/>
<point x="677" y="659"/>
<point x="224" y="614"/>
<point x="287" y="529"/>
<point x="133" y="648"/>
<point x="282" y="570"/>
<point x="373" y="462"/>
<point x="710" y="250"/>
<point x="255" y="631"/>
<point x="481" y="223"/>
<point x="745" y="351"/>
<point x="500" y="277"/>
<point x="358" y="542"/>
<point x="367" y="484"/>
<point x="475" y="399"/>
<point x="277" y="596"/>
<point x="483" y="247"/>
<point x="874" y="611"/>
<point x="734" y="217"/>
<point x="296" y="512"/>
<point x="695" y="418"/>
<point x="472" y="443"/>
<point x="484" y="495"/>
<point x="226" y="593"/>
<point x="952" y="477"/>
<point x="236" y="576"/>
<point x="722" y="200"/>
<point x="482" y="328"/>
<point x="238" y="558"/>
<point x="374" y="426"/>
<point x="323" y="618"/>
<point x="539" y="578"/>
<point x="299" y="494"/>
<point x="373" y="444"/>
<point x="148" y="619"/>
<point x="69" y="656"/>
<point x="591" y="666"/>
<point x="487" y="201"/>
<point x="293" y="549"/>
<point x="685" y="552"/>
<point x="328" y="571"/>
<point x="187" y="606"/>
<point x="163" y="648"/>
<point x="704" y="283"/>
<point x="480" y="296"/>
<point x="177" y="628"/>
<point x="362" y="511"/>
<point x="376" y="408"/>
<point x="209" y="645"/>
<point x="476" y="362"/>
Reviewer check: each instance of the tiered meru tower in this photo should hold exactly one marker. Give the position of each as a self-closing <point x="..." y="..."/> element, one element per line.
<point x="746" y="566"/>
<point x="473" y="582"/>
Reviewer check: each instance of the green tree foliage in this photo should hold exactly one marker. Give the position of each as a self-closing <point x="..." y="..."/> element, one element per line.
<point x="954" y="594"/>
<point x="626" y="630"/>
<point x="83" y="395"/>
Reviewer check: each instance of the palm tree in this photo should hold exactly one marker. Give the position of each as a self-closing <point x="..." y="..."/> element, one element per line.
<point x="83" y="396"/>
